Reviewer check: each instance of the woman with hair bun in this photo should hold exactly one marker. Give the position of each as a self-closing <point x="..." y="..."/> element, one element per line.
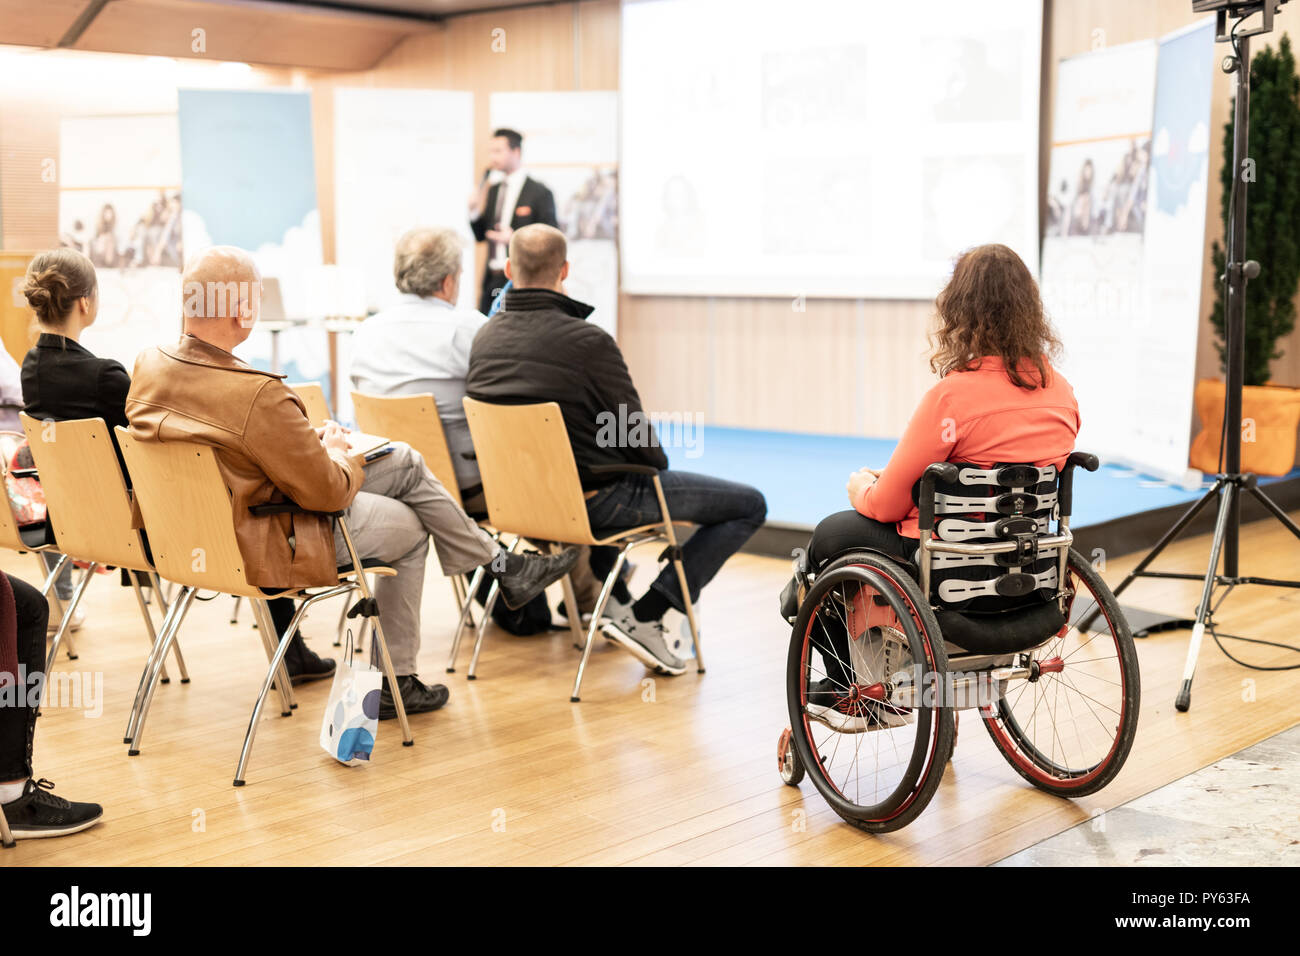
<point x="61" y="378"/>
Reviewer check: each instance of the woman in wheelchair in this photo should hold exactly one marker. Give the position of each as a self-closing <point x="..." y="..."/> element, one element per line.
<point x="946" y="560"/>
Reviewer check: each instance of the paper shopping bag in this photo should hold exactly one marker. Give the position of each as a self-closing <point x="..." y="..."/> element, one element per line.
<point x="351" y="721"/>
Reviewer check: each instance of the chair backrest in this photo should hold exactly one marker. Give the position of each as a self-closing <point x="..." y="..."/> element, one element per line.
<point x="84" y="490"/>
<point x="313" y="397"/>
<point x="186" y="509"/>
<point x="530" y="479"/>
<point x="414" y="420"/>
<point x="1007" y="502"/>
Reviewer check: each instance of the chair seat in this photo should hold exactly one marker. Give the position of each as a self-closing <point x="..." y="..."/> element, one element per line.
<point x="1004" y="632"/>
<point x="611" y="535"/>
<point x="370" y="566"/>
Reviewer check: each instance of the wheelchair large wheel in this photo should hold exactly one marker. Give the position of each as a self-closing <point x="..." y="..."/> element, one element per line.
<point x="865" y="658"/>
<point x="1069" y="728"/>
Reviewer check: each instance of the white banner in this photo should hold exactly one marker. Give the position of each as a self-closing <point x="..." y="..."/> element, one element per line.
<point x="402" y="159"/>
<point x="1122" y="259"/>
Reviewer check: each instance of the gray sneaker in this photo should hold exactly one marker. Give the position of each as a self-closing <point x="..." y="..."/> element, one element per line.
<point x="646" y="641"/>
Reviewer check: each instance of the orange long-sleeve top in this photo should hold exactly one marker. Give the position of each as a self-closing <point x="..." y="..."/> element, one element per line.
<point x="977" y="416"/>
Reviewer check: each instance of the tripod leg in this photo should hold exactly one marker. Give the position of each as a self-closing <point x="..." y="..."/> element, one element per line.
<point x="1184" y="699"/>
<point x="1277" y="512"/>
<point x="1169" y="536"/>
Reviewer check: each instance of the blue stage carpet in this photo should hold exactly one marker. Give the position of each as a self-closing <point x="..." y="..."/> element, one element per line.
<point x="803" y="476"/>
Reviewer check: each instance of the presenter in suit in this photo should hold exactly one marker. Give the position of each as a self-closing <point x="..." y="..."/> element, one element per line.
<point x="506" y="199"/>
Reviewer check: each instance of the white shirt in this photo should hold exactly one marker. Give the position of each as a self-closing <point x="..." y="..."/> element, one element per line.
<point x="422" y="345"/>
<point x="513" y="184"/>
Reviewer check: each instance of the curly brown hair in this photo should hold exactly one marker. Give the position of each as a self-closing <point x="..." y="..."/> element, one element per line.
<point x="991" y="307"/>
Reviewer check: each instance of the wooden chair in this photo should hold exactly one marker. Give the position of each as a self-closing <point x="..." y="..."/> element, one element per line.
<point x="86" y="495"/>
<point x="531" y="484"/>
<point x="414" y="419"/>
<point x="313" y="396"/>
<point x="186" y="508"/>
<point x="32" y="540"/>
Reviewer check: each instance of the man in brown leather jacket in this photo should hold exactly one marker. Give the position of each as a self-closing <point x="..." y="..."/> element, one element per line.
<point x="197" y="391"/>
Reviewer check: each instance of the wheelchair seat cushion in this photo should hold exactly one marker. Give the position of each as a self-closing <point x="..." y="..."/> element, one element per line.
<point x="1003" y="632"/>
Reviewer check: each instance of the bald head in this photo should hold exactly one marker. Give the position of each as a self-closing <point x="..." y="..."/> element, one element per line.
<point x="537" y="257"/>
<point x="222" y="283"/>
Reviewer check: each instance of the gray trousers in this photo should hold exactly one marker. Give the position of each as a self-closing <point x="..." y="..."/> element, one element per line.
<point x="398" y="507"/>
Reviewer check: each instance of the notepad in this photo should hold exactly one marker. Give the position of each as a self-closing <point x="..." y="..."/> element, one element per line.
<point x="359" y="443"/>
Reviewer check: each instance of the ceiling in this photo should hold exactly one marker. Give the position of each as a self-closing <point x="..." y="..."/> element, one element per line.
<point x="313" y="34"/>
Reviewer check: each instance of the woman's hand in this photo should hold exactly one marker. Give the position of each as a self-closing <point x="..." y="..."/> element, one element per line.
<point x="860" y="481"/>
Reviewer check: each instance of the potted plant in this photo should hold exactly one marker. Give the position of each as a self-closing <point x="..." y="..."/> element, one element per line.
<point x="1270" y="413"/>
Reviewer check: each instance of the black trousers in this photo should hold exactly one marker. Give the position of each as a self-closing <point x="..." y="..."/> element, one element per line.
<point x="847" y="530"/>
<point x="836" y="534"/>
<point x="18" y="723"/>
<point x="493" y="283"/>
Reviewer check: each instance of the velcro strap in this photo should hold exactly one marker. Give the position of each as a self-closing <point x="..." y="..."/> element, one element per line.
<point x="955" y="589"/>
<point x="959" y="529"/>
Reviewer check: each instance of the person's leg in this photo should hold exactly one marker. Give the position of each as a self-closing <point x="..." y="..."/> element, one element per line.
<point x="837" y="534"/>
<point x="17" y="719"/>
<point x="389" y="530"/>
<point x="63" y="585"/>
<point x="727" y="514"/>
<point x="846" y="530"/>
<point x="29" y="807"/>
<point x="461" y="545"/>
<point x="303" y="664"/>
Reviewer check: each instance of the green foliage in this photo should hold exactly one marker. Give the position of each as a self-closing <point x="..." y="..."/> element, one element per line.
<point x="1273" y="211"/>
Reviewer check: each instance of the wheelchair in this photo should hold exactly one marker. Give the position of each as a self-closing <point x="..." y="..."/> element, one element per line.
<point x="996" y="613"/>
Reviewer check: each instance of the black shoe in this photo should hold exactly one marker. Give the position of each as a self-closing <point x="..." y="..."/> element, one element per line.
<point x="39" y="813"/>
<point x="417" y="697"/>
<point x="534" y="573"/>
<point x="305" y="665"/>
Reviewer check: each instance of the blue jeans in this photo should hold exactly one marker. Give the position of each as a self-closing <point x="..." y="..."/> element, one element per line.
<point x="727" y="513"/>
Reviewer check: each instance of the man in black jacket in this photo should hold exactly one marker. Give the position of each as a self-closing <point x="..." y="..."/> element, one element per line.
<point x="498" y="208"/>
<point x="540" y="348"/>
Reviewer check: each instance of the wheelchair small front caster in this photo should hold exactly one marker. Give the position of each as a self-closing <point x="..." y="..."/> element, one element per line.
<point x="787" y="760"/>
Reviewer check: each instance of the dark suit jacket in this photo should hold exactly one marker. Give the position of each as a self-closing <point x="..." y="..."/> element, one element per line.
<point x="63" y="380"/>
<point x="533" y="197"/>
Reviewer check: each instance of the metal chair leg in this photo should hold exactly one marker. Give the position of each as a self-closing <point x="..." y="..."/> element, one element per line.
<point x="494" y="592"/>
<point x="176" y="645"/>
<point x="266" y="626"/>
<point x="606" y="590"/>
<point x="148" y="620"/>
<point x="182" y="605"/>
<point x="234" y="610"/>
<point x="466" y="618"/>
<point x="67" y="619"/>
<point x="343" y="620"/>
<point x="144" y="674"/>
<point x="570" y="604"/>
<point x="50" y="576"/>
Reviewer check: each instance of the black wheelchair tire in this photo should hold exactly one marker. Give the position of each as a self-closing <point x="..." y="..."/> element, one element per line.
<point x="925" y="769"/>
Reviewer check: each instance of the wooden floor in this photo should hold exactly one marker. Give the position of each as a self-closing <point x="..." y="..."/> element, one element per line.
<point x="677" y="771"/>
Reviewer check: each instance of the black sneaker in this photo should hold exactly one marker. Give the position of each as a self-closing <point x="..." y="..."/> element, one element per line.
<point x="535" y="572"/>
<point x="39" y="813"/>
<point x="304" y="664"/>
<point x="848" y="709"/>
<point x="417" y="697"/>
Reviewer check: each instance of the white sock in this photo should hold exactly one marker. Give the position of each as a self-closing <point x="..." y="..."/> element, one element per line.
<point x="9" y="792"/>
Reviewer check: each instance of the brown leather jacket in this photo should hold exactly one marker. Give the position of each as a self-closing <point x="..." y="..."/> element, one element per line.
<point x="265" y="448"/>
